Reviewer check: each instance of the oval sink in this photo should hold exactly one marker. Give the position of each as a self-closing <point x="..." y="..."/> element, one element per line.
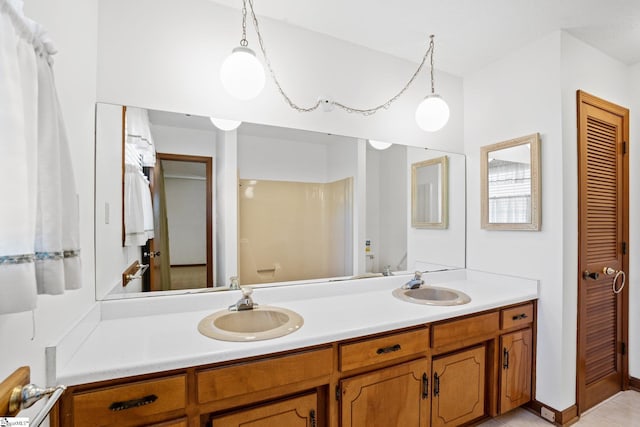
<point x="432" y="295"/>
<point x="261" y="323"/>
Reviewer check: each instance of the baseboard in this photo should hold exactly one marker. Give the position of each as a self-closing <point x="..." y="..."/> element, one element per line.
<point x="634" y="384"/>
<point x="562" y="418"/>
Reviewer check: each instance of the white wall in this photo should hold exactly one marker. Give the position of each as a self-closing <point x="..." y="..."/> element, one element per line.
<point x="226" y="218"/>
<point x="515" y="96"/>
<point x="588" y="69"/>
<point x="281" y="160"/>
<point x="111" y="257"/>
<point x="534" y="90"/>
<point x="437" y="248"/>
<point x="188" y="142"/>
<point x="187" y="218"/>
<point x="166" y="55"/>
<point x="72" y="25"/>
<point x="634" y="225"/>
<point x="387" y="207"/>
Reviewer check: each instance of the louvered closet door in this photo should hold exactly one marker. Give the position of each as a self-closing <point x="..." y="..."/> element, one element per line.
<point x="603" y="229"/>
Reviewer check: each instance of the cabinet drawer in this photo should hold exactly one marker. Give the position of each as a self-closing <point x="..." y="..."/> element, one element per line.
<point x="235" y="380"/>
<point x="517" y="316"/>
<point x="378" y="350"/>
<point x="299" y="411"/>
<point x="464" y="331"/>
<point x="131" y="403"/>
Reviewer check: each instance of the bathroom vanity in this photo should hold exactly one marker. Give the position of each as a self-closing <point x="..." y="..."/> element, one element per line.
<point x="362" y="358"/>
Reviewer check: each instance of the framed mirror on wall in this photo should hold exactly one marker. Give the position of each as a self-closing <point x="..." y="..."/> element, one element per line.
<point x="510" y="184"/>
<point x="430" y="193"/>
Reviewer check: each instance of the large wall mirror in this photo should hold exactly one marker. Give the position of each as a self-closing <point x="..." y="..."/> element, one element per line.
<point x="510" y="184"/>
<point x="266" y="204"/>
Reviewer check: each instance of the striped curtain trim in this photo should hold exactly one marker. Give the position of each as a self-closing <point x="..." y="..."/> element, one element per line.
<point x="38" y="256"/>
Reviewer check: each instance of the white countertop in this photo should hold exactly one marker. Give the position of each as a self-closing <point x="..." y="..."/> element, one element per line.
<point x="144" y="335"/>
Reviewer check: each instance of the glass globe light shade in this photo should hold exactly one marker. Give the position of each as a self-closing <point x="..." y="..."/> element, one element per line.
<point x="379" y="145"/>
<point x="432" y="113"/>
<point x="242" y="75"/>
<point x="224" y="124"/>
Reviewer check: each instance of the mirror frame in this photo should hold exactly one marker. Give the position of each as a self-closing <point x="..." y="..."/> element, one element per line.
<point x="444" y="195"/>
<point x="536" y="210"/>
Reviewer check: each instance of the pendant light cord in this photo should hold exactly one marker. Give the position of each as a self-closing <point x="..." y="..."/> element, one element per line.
<point x="363" y="111"/>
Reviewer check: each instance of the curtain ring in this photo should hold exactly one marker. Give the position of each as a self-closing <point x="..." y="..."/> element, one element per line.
<point x="615" y="280"/>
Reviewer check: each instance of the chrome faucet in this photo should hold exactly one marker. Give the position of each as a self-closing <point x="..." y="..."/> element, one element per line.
<point x="244" y="303"/>
<point x="387" y="271"/>
<point x="414" y="283"/>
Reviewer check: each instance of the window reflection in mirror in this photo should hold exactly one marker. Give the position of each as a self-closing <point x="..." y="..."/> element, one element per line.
<point x="429" y="193"/>
<point x="511" y="184"/>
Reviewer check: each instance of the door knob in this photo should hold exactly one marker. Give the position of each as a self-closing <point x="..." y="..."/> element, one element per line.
<point x="608" y="271"/>
<point x="590" y="275"/>
<point x="152" y="254"/>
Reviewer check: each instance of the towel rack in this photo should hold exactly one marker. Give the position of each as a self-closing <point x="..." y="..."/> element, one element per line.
<point x="16" y="394"/>
<point x="133" y="272"/>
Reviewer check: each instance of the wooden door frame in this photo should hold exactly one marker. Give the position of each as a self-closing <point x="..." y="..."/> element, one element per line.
<point x="208" y="161"/>
<point x="585" y="98"/>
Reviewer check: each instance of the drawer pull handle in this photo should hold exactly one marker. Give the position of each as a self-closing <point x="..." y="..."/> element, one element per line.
<point x="520" y="316"/>
<point x="425" y="386"/>
<point x="133" y="403"/>
<point x="312" y="418"/>
<point x="391" y="349"/>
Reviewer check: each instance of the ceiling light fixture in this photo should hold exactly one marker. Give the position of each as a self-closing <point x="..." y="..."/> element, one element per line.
<point x="224" y="124"/>
<point x="242" y="76"/>
<point x="379" y="145"/>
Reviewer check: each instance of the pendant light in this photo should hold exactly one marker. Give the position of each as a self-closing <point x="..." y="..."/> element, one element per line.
<point x="433" y="112"/>
<point x="242" y="74"/>
<point x="225" y="124"/>
<point x="379" y="145"/>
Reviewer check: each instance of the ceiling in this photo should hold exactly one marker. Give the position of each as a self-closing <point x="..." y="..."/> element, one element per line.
<point x="469" y="33"/>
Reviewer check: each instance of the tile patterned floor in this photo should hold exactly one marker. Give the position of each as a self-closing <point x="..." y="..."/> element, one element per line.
<point x="622" y="410"/>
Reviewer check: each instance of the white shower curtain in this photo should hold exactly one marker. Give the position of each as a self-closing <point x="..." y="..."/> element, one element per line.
<point x="39" y="236"/>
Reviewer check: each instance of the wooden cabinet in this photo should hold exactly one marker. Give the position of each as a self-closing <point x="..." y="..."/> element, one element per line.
<point x="182" y="422"/>
<point x="244" y="383"/>
<point x="446" y="373"/>
<point x="393" y="396"/>
<point x="386" y="348"/>
<point x="299" y="411"/>
<point x="458" y="387"/>
<point x="131" y="404"/>
<point x="517" y="317"/>
<point x="515" y="376"/>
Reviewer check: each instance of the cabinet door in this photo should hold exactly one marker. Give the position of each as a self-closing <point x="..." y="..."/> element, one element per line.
<point x="515" y="376"/>
<point x="295" y="412"/>
<point x="458" y="387"/>
<point x="394" y="396"/>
